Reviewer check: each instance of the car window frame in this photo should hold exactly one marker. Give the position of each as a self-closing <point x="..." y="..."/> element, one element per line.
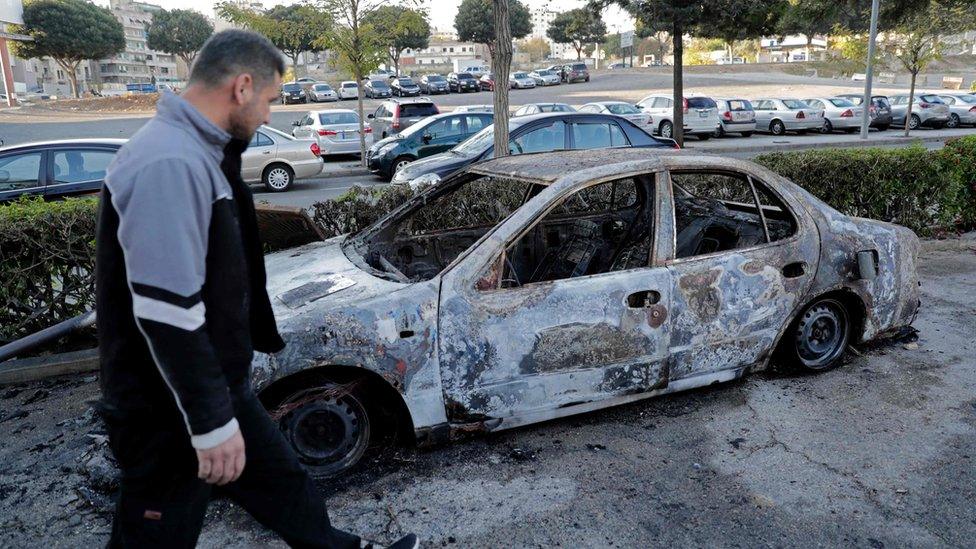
<point x="44" y="171"/>
<point x="49" y="163"/>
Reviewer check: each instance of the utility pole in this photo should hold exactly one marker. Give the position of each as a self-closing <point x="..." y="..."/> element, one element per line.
<point x="869" y="77"/>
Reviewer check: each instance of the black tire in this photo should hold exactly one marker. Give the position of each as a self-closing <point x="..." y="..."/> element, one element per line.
<point x="914" y="122"/>
<point x="666" y="129"/>
<point x="719" y="131"/>
<point x="953" y="121"/>
<point x="816" y="340"/>
<point x="703" y="136"/>
<point x="851" y="130"/>
<point x="776" y="127"/>
<point x="278" y="178"/>
<point x="746" y="134"/>
<point x="827" y="127"/>
<point x="883" y="127"/>
<point x="801" y="132"/>
<point x="328" y="427"/>
<point x="938" y="125"/>
<point x="399" y="163"/>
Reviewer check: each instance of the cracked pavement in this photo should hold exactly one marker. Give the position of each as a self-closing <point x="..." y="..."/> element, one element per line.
<point x="878" y="453"/>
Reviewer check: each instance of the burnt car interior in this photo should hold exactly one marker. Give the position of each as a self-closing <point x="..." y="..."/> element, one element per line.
<point x="720" y="211"/>
<point x="422" y="240"/>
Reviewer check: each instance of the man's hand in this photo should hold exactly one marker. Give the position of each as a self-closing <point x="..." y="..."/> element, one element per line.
<point x="223" y="463"/>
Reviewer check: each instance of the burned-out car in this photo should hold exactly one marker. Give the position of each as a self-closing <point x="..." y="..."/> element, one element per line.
<point x="532" y="287"/>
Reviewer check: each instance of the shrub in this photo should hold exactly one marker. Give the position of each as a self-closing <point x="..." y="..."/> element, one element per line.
<point x="920" y="189"/>
<point x="358" y="208"/>
<point x="47" y="263"/>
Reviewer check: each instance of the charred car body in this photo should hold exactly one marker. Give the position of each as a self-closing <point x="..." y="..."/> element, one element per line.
<point x="531" y="287"/>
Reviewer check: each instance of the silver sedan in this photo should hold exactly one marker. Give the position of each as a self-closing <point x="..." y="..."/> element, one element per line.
<point x="545" y="77"/>
<point x="620" y="108"/>
<point x="962" y="108"/>
<point x="778" y="116"/>
<point x="278" y="159"/>
<point x="927" y="110"/>
<point x="335" y="130"/>
<point x="839" y="113"/>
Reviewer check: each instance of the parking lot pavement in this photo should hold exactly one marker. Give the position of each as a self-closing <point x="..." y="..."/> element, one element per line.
<point x="878" y="453"/>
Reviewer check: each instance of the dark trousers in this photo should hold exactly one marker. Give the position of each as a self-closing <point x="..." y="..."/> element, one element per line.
<point x="162" y="502"/>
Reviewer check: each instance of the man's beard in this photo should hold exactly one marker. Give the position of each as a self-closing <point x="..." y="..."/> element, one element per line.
<point x="239" y="127"/>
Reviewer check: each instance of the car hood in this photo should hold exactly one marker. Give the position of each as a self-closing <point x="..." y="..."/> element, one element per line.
<point x="442" y="164"/>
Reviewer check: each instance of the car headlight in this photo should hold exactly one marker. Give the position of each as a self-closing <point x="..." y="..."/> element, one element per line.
<point x="424" y="181"/>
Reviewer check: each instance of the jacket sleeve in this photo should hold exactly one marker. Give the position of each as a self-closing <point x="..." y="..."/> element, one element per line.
<point x="164" y="214"/>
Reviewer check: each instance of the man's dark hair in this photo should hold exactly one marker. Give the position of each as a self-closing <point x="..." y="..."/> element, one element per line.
<point x="232" y="52"/>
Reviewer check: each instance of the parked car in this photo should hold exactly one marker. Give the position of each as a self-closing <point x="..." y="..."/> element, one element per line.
<point x="700" y="115"/>
<point x="321" y="92"/>
<point x="462" y="82"/>
<point x="778" y="116"/>
<point x="962" y="109"/>
<point x="533" y="133"/>
<point x="335" y="130"/>
<point x="521" y="80"/>
<point x="396" y="115"/>
<point x="349" y="89"/>
<point x="536" y="108"/>
<point x="487" y="82"/>
<point x="576" y="72"/>
<point x="838" y="113"/>
<point x="735" y="116"/>
<point x="927" y="110"/>
<point x="404" y="87"/>
<point x="433" y="83"/>
<point x="618" y="66"/>
<point x="879" y="110"/>
<point x="544" y="77"/>
<point x="474" y="108"/>
<point x="292" y="92"/>
<point x="541" y="286"/>
<point x="620" y="108"/>
<point x="377" y="89"/>
<point x="55" y="169"/>
<point x="432" y="135"/>
<point x="477" y="71"/>
<point x="277" y="159"/>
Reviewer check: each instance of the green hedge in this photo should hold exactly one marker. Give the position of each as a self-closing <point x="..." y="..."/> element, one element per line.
<point x="47" y="263"/>
<point x="928" y="191"/>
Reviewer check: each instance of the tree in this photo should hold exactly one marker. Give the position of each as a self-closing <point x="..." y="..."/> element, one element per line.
<point x="611" y="46"/>
<point x="578" y="27"/>
<point x="292" y="29"/>
<point x="400" y="28"/>
<point x="537" y="47"/>
<point x="915" y="40"/>
<point x="475" y="22"/>
<point x="755" y="20"/>
<point x="69" y="31"/>
<point x="178" y="32"/>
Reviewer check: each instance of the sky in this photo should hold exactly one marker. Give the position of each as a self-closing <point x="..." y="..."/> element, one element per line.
<point x="441" y="12"/>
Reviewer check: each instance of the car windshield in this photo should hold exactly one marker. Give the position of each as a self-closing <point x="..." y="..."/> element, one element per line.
<point x="292" y="87"/>
<point x="378" y="84"/>
<point x="543" y="72"/>
<point x="555" y="107"/>
<point x="795" y="104"/>
<point x="481" y="141"/>
<point x="464" y="76"/>
<point x="622" y="108"/>
<point x="841" y="103"/>
<point x="406" y="82"/>
<point x="520" y="75"/>
<point x="435" y="78"/>
<point x="322" y="87"/>
<point x="333" y="118"/>
<point x="931" y="99"/>
<point x="968" y="99"/>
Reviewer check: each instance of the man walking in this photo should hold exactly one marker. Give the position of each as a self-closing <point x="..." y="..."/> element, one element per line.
<point x="182" y="306"/>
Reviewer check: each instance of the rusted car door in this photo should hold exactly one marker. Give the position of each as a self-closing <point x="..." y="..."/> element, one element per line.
<point x="735" y="288"/>
<point x="534" y="351"/>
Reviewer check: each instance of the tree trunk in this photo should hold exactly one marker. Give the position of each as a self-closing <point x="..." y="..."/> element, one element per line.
<point x="69" y="69"/>
<point x="396" y="63"/>
<point x="294" y="63"/>
<point x="678" y="116"/>
<point x="579" y="51"/>
<point x="362" y="117"/>
<point x="809" y="41"/>
<point x="501" y="64"/>
<point x="911" y="101"/>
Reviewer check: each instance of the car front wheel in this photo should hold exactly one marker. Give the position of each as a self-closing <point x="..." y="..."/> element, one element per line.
<point x="914" y="122"/>
<point x="953" y="121"/>
<point x="278" y="178"/>
<point x="777" y="128"/>
<point x="818" y="338"/>
<point x="827" y="127"/>
<point x="666" y="129"/>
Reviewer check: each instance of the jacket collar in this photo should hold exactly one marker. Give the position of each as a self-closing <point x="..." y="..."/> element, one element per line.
<point x="175" y="110"/>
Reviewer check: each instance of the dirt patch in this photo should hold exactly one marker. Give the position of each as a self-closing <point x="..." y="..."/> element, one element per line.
<point x="136" y="103"/>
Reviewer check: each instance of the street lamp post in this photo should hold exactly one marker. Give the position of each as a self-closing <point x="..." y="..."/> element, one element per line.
<point x="869" y="77"/>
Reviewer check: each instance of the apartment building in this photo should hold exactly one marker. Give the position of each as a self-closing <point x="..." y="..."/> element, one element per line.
<point x="137" y="64"/>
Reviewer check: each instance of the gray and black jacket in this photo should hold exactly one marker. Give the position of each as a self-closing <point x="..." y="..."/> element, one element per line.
<point x="180" y="280"/>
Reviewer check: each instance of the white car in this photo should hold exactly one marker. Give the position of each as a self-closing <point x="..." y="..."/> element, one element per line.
<point x="348" y="89"/>
<point x="536" y="108"/>
<point x="475" y="108"/>
<point x="335" y="130"/>
<point x="321" y="92"/>
<point x="962" y="108"/>
<point x="545" y="77"/>
<point x="521" y="80"/>
<point x="778" y="116"/>
<point x="622" y="109"/>
<point x="700" y="115"/>
<point x="838" y="113"/>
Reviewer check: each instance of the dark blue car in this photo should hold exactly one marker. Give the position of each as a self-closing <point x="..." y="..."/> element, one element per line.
<point x="55" y="169"/>
<point x="432" y="135"/>
<point x="531" y="134"/>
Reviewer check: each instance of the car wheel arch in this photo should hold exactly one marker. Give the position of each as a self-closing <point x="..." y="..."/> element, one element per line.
<point x="848" y="297"/>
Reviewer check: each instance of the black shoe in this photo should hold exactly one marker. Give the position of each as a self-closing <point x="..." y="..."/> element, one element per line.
<point x="408" y="541"/>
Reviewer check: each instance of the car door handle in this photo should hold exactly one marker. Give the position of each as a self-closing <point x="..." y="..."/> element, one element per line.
<point x="642" y="299"/>
<point x="794" y="270"/>
<point x="266" y="152"/>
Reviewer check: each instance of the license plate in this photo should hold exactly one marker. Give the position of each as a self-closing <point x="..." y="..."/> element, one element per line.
<point x="703" y="114"/>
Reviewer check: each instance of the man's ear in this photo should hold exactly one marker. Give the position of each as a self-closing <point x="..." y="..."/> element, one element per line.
<point x="243" y="88"/>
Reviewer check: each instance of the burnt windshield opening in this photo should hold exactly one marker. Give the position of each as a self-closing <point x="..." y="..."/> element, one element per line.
<point x="419" y="240"/>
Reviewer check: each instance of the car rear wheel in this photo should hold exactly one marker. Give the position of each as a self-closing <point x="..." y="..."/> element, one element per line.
<point x="703" y="136"/>
<point x="818" y="337"/>
<point x="719" y="131"/>
<point x="827" y="127"/>
<point x="278" y="178"/>
<point x="776" y="127"/>
<point x="953" y="121"/>
<point x="666" y="129"/>
<point x="327" y="427"/>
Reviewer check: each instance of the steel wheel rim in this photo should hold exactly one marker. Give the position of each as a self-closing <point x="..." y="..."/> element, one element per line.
<point x="822" y="334"/>
<point x="328" y="431"/>
<point x="278" y="178"/>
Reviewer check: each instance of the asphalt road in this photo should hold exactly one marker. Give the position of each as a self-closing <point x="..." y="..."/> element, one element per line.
<point x="878" y="453"/>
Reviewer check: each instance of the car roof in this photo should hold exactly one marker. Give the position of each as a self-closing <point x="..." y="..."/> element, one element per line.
<point x="64" y="142"/>
<point x="549" y="167"/>
<point x="607" y="103"/>
<point x="326" y="111"/>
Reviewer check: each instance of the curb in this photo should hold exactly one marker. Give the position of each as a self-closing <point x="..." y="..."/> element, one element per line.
<point x="772" y="147"/>
<point x="33" y="369"/>
<point x="342" y="172"/>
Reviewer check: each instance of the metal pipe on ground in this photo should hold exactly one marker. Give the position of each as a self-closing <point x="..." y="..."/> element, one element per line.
<point x="60" y="329"/>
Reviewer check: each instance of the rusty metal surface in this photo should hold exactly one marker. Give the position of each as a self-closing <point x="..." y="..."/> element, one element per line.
<point x="466" y="357"/>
